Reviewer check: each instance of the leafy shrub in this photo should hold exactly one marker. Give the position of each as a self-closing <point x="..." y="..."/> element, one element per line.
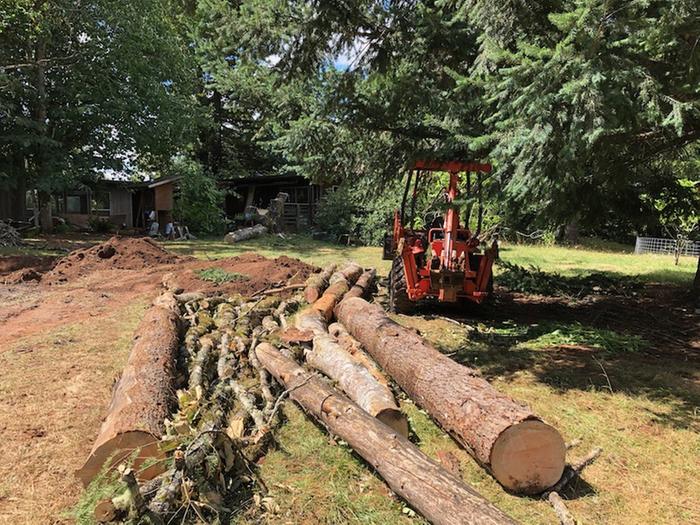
<point x="360" y="209"/>
<point x="199" y="204"/>
<point x="100" y="225"/>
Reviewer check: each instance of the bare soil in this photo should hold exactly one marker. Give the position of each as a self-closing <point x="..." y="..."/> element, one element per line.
<point x="64" y="338"/>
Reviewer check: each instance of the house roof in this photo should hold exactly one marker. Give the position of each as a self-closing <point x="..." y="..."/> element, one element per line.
<point x="163" y="180"/>
<point x="262" y="179"/>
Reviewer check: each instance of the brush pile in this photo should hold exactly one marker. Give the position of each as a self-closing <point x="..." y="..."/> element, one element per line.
<point x="226" y="408"/>
<point x="9" y="236"/>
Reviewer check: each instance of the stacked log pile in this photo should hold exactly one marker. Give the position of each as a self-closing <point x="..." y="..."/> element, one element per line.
<point x="200" y="398"/>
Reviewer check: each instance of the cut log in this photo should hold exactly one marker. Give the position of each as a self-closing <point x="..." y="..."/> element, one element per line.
<point x="522" y="452"/>
<point x="423" y="483"/>
<point x="363" y="285"/>
<point x="244" y="234"/>
<point x="143" y="397"/>
<point x="356" y="381"/>
<point x="339" y="284"/>
<point x="308" y="323"/>
<point x="317" y="283"/>
<point x="353" y="346"/>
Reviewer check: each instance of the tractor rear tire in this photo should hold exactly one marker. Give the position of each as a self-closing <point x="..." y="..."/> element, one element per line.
<point x="398" y="295"/>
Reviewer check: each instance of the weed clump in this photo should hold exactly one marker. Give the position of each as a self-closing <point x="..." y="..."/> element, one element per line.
<point x="220" y="276"/>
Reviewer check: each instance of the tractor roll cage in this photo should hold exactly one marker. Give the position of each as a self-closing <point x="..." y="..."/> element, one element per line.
<point x="453" y="168"/>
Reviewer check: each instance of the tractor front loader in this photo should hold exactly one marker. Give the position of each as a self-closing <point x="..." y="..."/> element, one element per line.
<point x="443" y="260"/>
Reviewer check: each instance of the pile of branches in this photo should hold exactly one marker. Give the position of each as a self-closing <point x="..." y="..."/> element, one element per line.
<point x="227" y="408"/>
<point x="9" y="236"/>
<point x="535" y="281"/>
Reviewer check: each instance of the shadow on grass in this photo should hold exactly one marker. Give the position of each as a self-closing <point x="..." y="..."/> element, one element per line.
<point x="573" y="357"/>
<point x="532" y="280"/>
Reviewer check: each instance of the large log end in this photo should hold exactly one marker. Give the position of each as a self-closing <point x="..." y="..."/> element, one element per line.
<point x="121" y="447"/>
<point x="529" y="457"/>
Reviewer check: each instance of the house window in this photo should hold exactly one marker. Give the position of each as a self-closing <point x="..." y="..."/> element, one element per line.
<point x="100" y="201"/>
<point x="73" y="204"/>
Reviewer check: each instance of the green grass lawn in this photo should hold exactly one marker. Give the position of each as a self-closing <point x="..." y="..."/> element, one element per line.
<point x="564" y="260"/>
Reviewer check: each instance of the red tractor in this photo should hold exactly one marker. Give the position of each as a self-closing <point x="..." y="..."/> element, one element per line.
<point x="444" y="260"/>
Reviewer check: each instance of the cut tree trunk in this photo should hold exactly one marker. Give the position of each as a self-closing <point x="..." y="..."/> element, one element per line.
<point x="424" y="484"/>
<point x="339" y="284"/>
<point x="521" y="451"/>
<point x="143" y="396"/>
<point x="310" y="323"/>
<point x="317" y="283"/>
<point x="363" y="285"/>
<point x="245" y="233"/>
<point x="357" y="382"/>
<point x="354" y="347"/>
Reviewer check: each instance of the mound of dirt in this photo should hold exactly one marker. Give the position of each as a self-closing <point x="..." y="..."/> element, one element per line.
<point x="11" y="263"/>
<point x="249" y="273"/>
<point x="21" y="276"/>
<point x="117" y="253"/>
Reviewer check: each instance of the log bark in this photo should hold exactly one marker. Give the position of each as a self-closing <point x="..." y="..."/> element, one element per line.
<point x="317" y="283"/>
<point x="245" y="233"/>
<point x="143" y="397"/>
<point x="431" y="490"/>
<point x="521" y="451"/>
<point x="363" y="285"/>
<point x="356" y="381"/>
<point x="354" y="347"/>
<point x="339" y="284"/>
<point x="310" y="322"/>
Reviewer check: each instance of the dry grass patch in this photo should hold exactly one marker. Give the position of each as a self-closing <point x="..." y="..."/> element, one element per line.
<point x="56" y="386"/>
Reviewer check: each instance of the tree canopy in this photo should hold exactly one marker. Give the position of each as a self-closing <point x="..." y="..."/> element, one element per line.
<point x="588" y="109"/>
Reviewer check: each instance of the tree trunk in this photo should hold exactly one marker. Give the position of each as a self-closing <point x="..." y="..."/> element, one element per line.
<point x="244" y="234"/>
<point x="143" y="396"/>
<point x="317" y="283"/>
<point x="363" y="285"/>
<point x="354" y="348"/>
<point x="45" y="218"/>
<point x="339" y="284"/>
<point x="357" y="382"/>
<point x="523" y="453"/>
<point x="40" y="116"/>
<point x="431" y="490"/>
<point x="310" y="323"/>
<point x="696" y="287"/>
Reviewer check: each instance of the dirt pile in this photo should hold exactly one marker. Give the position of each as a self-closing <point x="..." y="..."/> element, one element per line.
<point x="249" y="273"/>
<point x="117" y="253"/>
<point x="12" y="263"/>
<point x="16" y="269"/>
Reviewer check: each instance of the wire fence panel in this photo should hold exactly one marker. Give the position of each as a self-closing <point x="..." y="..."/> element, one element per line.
<point x="667" y="246"/>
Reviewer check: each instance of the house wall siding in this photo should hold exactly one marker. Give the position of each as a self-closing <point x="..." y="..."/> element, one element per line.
<point x="120" y="205"/>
